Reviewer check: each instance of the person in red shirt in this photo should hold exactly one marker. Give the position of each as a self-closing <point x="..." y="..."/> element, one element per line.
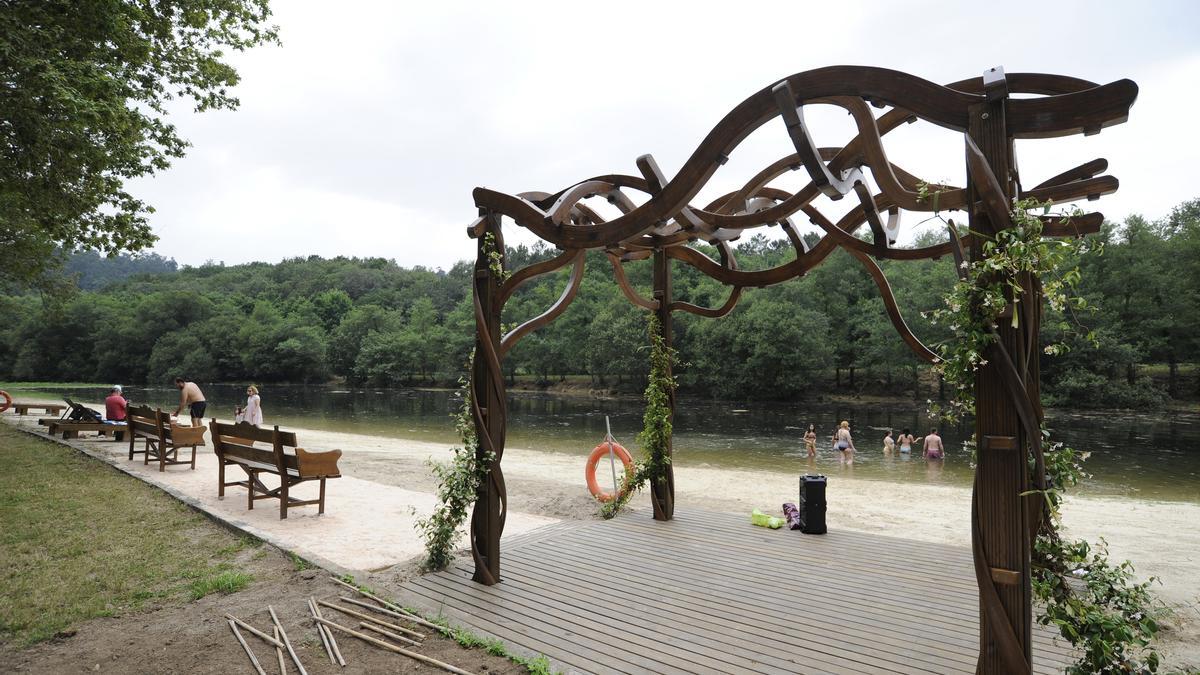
<point x="114" y="405"/>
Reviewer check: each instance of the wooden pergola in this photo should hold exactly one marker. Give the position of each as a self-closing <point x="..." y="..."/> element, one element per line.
<point x="988" y="114"/>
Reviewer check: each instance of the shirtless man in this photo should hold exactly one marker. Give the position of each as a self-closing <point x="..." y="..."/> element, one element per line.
<point x="192" y="398"/>
<point x="933" y="445"/>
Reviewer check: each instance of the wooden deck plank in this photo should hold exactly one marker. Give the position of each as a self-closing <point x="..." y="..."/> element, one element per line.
<point x="785" y="621"/>
<point x="709" y="593"/>
<point x="728" y="627"/>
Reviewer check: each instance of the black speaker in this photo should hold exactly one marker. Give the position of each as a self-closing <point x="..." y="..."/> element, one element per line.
<point x="812" y="504"/>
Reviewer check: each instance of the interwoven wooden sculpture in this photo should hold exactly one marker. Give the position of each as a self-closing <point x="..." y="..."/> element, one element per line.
<point x="1008" y="410"/>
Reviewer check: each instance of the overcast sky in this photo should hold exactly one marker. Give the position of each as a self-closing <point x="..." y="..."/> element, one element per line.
<point x="364" y="134"/>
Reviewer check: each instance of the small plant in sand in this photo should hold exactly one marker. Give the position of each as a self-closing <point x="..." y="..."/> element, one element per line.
<point x="1095" y="604"/>
<point x="655" y="437"/>
<point x="458" y="483"/>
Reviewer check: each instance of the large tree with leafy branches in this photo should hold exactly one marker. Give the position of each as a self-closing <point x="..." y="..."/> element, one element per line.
<point x="85" y="87"/>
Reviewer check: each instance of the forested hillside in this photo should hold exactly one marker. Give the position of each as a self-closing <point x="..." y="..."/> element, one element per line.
<point x="368" y="321"/>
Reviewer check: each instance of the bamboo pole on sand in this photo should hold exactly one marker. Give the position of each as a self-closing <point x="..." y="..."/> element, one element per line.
<point x="365" y="617"/>
<point x="337" y="651"/>
<point x="254" y="631"/>
<point x="381" y="610"/>
<point x="394" y="648"/>
<point x="253" y="659"/>
<point x="312" y="611"/>
<point x="391" y="605"/>
<point x="388" y="633"/>
<point x="287" y="643"/>
<point x="279" y="654"/>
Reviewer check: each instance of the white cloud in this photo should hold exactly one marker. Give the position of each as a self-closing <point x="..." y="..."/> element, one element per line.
<point x="366" y="132"/>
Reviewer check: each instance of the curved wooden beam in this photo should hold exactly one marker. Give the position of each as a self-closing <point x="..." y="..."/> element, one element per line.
<point x="627" y="288"/>
<point x="509" y="341"/>
<point x="735" y="293"/>
<point x="535" y="270"/>
<point x="893" y="310"/>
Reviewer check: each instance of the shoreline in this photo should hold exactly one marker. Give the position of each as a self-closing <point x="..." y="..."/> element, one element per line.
<point x="1174" y="406"/>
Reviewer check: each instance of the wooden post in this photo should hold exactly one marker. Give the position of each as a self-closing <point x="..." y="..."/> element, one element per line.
<point x="489" y="405"/>
<point x="662" y="493"/>
<point x="1000" y="514"/>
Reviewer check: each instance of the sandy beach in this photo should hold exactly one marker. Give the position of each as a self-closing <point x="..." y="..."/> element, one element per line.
<point x="1162" y="539"/>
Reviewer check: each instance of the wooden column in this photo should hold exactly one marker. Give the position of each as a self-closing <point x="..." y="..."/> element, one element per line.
<point x="662" y="493"/>
<point x="1000" y="513"/>
<point x="489" y="405"/>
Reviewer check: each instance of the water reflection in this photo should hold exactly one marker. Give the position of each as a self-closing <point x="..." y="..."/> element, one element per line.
<point x="1145" y="456"/>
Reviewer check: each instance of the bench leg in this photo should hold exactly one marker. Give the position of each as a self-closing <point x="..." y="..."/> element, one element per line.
<point x="283" y="496"/>
<point x="193" y="458"/>
<point x="321" y="502"/>
<point x="118" y="436"/>
<point x="220" y="478"/>
<point x="132" y="440"/>
<point x="250" y="489"/>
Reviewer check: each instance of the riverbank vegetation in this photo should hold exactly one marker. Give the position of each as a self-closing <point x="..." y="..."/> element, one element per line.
<point x="369" y="321"/>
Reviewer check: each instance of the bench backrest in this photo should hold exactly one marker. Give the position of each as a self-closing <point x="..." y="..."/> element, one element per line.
<point x="233" y="441"/>
<point x="146" y="421"/>
<point x="153" y="422"/>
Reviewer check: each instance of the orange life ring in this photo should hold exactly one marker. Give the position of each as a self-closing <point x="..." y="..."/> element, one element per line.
<point x="599" y="452"/>
<point x="7" y="400"/>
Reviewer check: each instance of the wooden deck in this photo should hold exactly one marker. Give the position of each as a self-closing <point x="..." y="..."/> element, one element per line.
<point x="710" y="593"/>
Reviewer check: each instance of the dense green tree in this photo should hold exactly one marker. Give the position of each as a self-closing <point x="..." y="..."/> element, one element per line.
<point x="84" y="107"/>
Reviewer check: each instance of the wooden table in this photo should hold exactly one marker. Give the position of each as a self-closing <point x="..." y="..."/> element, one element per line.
<point x="48" y="408"/>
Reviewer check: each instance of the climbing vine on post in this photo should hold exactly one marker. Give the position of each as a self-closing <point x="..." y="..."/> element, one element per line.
<point x="1095" y="604"/>
<point x="655" y="437"/>
<point x="458" y="481"/>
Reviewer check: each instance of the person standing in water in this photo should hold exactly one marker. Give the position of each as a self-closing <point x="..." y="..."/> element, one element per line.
<point x="933" y="445"/>
<point x="906" y="441"/>
<point x="888" y="444"/>
<point x="810" y="441"/>
<point x="845" y="442"/>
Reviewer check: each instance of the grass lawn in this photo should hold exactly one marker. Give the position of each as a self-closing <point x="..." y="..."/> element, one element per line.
<point x="80" y="540"/>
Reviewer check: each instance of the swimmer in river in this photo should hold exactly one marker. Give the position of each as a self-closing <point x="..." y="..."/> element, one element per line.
<point x="888" y="443"/>
<point x="810" y="441"/>
<point x="933" y="445"/>
<point x="906" y="441"/>
<point x="845" y="444"/>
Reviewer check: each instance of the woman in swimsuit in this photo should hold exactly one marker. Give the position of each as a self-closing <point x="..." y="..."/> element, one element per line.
<point x="845" y="443"/>
<point x="906" y="441"/>
<point x="888" y="444"/>
<point x="810" y="441"/>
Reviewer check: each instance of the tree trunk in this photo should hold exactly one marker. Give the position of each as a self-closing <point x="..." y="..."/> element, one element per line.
<point x="1130" y="374"/>
<point x="851" y="377"/>
<point x="837" y="377"/>
<point x="1172" y="375"/>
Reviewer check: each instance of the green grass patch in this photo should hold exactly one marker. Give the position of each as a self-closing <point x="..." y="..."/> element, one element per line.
<point x="225" y="582"/>
<point x="299" y="563"/>
<point x="79" y="540"/>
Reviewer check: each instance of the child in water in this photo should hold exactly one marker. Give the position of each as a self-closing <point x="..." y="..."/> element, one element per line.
<point x="810" y="441"/>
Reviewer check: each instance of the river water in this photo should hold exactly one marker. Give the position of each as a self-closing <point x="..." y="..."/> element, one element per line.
<point x="1134" y="455"/>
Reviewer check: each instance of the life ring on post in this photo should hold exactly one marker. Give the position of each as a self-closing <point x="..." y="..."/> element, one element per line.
<point x="598" y="453"/>
<point x="7" y="400"/>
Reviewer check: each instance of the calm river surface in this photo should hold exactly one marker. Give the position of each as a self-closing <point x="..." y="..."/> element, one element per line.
<point x="1144" y="456"/>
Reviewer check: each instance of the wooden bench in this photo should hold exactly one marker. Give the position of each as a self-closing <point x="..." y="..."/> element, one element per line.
<point x="163" y="437"/>
<point x="72" y="429"/>
<point x="48" y="408"/>
<point x="234" y="444"/>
